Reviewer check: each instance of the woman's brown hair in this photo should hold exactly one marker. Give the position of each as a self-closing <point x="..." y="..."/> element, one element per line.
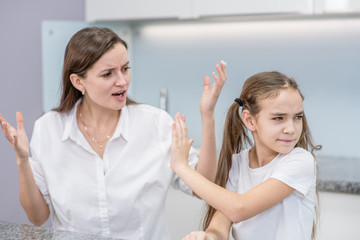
<point x="235" y="137"/>
<point x="84" y="49"/>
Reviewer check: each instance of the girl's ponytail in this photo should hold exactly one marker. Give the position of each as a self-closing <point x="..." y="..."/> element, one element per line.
<point x="235" y="136"/>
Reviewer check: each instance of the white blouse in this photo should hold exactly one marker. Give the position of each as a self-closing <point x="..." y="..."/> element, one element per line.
<point x="122" y="195"/>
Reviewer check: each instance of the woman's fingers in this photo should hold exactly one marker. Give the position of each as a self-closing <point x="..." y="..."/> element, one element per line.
<point x="20" y="121"/>
<point x="8" y="130"/>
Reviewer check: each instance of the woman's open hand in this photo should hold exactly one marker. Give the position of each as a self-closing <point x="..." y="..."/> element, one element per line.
<point x="181" y="144"/>
<point x="17" y="137"/>
<point x="211" y="94"/>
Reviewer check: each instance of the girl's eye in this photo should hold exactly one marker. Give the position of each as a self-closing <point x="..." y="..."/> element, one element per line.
<point x="278" y="118"/>
<point x="299" y="117"/>
<point x="126" y="68"/>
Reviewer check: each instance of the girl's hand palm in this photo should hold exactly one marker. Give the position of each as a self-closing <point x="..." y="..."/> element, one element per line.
<point x="211" y="94"/>
<point x="17" y="137"/>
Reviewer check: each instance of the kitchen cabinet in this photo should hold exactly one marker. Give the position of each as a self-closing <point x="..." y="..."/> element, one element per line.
<point x="110" y="10"/>
<point x="246" y="7"/>
<point x="336" y="6"/>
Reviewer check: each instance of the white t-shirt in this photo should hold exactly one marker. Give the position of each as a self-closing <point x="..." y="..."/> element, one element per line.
<point x="292" y="218"/>
<point x="121" y="195"/>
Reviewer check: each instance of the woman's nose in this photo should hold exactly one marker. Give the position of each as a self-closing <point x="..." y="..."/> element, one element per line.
<point x="120" y="79"/>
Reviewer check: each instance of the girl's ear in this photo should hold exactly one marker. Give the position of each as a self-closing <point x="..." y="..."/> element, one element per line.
<point x="248" y="120"/>
<point x="77" y="82"/>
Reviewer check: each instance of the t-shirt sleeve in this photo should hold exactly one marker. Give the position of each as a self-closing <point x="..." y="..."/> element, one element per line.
<point x="297" y="170"/>
<point x="165" y="123"/>
<point x="35" y="163"/>
<point x="233" y="179"/>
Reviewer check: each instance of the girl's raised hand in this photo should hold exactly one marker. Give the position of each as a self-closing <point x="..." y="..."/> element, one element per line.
<point x="211" y="94"/>
<point x="200" y="235"/>
<point x="17" y="138"/>
<point x="181" y="144"/>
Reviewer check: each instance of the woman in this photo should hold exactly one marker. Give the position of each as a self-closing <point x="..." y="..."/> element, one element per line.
<point x="100" y="162"/>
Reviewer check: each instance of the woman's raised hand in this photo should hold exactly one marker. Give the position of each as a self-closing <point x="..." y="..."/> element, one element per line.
<point x="200" y="235"/>
<point x="181" y="144"/>
<point x="211" y="94"/>
<point x="17" y="137"/>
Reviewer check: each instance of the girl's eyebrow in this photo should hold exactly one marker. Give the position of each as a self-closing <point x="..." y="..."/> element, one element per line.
<point x="284" y="114"/>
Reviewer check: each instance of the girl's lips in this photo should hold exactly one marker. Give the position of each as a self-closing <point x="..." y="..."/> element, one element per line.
<point x="286" y="140"/>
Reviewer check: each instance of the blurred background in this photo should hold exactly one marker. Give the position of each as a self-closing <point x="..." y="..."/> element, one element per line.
<point x="172" y="46"/>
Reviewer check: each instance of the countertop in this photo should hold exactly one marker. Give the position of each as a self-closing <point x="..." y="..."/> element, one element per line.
<point x="337" y="174"/>
<point x="12" y="231"/>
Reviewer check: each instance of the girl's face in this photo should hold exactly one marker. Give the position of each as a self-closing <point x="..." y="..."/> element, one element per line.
<point x="278" y="125"/>
<point x="108" y="80"/>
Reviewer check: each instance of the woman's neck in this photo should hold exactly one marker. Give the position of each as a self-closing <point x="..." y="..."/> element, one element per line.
<point x="98" y="117"/>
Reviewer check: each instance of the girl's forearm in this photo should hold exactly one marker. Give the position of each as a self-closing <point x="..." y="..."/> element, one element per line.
<point x="31" y="199"/>
<point x="208" y="155"/>
<point x="208" y="191"/>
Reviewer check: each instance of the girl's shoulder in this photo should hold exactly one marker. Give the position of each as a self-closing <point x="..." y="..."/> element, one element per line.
<point x="299" y="152"/>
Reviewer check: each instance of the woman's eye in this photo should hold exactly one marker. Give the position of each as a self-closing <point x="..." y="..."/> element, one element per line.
<point x="278" y="118"/>
<point x="299" y="117"/>
<point x="106" y="74"/>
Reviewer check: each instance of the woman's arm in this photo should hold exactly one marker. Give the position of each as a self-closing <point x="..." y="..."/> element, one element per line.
<point x="208" y="156"/>
<point x="31" y="199"/>
<point x="236" y="207"/>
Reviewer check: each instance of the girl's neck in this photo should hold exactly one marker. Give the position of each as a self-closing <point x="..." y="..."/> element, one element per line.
<point x="259" y="158"/>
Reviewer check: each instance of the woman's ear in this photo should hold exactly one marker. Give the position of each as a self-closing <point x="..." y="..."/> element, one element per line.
<point x="77" y="82"/>
<point x="248" y="120"/>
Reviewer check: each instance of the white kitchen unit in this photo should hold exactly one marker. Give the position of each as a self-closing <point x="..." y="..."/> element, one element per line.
<point x="112" y="10"/>
<point x="336" y="6"/>
<point x="245" y="7"/>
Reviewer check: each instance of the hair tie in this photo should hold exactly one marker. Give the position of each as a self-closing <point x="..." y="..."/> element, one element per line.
<point x="239" y="101"/>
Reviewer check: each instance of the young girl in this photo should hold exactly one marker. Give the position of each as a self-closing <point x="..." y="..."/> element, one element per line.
<point x="270" y="186"/>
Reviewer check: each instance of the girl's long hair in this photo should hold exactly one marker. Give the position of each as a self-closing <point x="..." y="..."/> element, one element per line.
<point x="236" y="137"/>
<point x="84" y="49"/>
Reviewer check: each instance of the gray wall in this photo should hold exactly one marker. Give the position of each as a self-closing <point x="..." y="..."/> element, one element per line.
<point x="20" y="78"/>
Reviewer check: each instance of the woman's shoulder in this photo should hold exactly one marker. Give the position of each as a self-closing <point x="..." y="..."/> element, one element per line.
<point x="148" y="111"/>
<point x="52" y="117"/>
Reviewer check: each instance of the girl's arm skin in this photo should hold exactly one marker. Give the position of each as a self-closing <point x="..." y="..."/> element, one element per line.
<point x="31" y="199"/>
<point x="237" y="207"/>
<point x="218" y="229"/>
<point x="208" y="156"/>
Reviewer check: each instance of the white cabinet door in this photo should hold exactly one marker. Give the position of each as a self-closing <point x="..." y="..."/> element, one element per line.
<point x="108" y="10"/>
<point x="244" y="7"/>
<point x="336" y="6"/>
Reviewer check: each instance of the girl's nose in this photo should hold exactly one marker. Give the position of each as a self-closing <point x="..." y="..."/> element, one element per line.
<point x="289" y="127"/>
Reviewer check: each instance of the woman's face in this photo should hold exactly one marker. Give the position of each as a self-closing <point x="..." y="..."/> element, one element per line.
<point x="279" y="123"/>
<point x="107" y="81"/>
